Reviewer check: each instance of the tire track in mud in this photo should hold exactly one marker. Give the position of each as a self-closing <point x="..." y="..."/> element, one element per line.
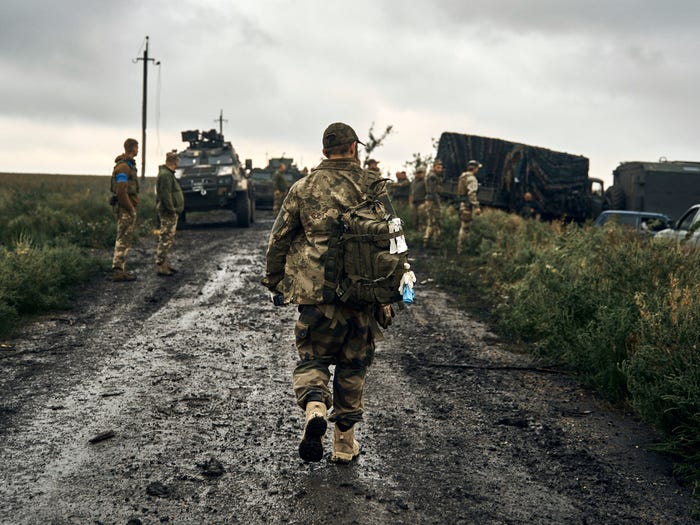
<point x="205" y="374"/>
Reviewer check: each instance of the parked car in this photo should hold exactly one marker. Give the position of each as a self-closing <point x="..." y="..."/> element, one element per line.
<point x="686" y="229"/>
<point x="641" y="221"/>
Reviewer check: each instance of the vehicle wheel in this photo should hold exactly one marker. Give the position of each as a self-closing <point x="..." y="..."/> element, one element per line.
<point x="614" y="198"/>
<point x="243" y="209"/>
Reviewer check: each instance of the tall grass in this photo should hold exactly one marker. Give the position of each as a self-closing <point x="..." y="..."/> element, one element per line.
<point x="50" y="227"/>
<point x="618" y="310"/>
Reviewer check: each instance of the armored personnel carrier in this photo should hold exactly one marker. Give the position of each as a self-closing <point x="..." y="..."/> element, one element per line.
<point x="211" y="177"/>
<point x="558" y="181"/>
<point x="262" y="179"/>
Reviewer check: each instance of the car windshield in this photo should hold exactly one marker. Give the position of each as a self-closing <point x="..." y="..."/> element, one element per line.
<point x="214" y="160"/>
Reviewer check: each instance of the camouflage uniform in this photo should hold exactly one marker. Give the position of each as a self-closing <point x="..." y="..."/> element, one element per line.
<point x="327" y="332"/>
<point x="400" y="189"/>
<point x="279" y="187"/>
<point x="170" y="202"/>
<point x="431" y="209"/>
<point x="416" y="199"/>
<point x="467" y="187"/>
<point x="125" y="171"/>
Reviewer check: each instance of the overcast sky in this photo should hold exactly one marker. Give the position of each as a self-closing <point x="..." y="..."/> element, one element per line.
<point x="613" y="80"/>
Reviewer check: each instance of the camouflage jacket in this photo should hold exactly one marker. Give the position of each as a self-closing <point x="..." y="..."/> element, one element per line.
<point x="169" y="197"/>
<point x="279" y="182"/>
<point x="299" y="238"/>
<point x="467" y="187"/>
<point x="418" y="191"/>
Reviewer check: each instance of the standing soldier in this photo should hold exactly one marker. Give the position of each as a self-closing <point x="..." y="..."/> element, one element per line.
<point x="400" y="189"/>
<point x="373" y="166"/>
<point x="328" y="331"/>
<point x="416" y="198"/>
<point x="170" y="203"/>
<point x="467" y="187"/>
<point x="280" y="186"/>
<point x="125" y="199"/>
<point x="433" y="187"/>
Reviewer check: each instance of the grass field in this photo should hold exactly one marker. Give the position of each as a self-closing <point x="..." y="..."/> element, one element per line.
<point x="51" y="227"/>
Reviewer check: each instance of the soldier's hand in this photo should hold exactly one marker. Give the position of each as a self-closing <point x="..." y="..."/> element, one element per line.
<point x="477" y="211"/>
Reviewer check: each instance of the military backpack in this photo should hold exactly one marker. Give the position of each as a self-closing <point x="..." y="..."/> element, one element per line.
<point x="366" y="255"/>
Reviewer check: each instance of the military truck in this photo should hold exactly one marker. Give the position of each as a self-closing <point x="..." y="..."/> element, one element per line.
<point x="669" y="187"/>
<point x="262" y="179"/>
<point x="558" y="181"/>
<point x="211" y="177"/>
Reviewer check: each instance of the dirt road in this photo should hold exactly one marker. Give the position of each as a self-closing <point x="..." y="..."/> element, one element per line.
<point x="184" y="387"/>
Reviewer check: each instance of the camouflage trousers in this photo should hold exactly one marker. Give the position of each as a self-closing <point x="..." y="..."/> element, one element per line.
<point x="433" y="222"/>
<point x="277" y="201"/>
<point x="465" y="224"/>
<point x="345" y="341"/>
<point x="166" y="238"/>
<point x="419" y="218"/>
<point x="125" y="236"/>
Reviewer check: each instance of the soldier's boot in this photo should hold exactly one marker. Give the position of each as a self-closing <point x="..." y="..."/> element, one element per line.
<point x="345" y="446"/>
<point x="120" y="276"/>
<point x="163" y="270"/>
<point x="311" y="446"/>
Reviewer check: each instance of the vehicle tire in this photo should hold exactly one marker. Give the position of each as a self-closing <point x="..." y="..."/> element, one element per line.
<point x="243" y="208"/>
<point x="614" y="198"/>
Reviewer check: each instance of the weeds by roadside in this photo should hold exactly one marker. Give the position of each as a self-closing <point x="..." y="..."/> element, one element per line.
<point x="49" y="224"/>
<point x="619" y="311"/>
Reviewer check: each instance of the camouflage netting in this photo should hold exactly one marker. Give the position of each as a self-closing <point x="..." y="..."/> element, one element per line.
<point x="558" y="181"/>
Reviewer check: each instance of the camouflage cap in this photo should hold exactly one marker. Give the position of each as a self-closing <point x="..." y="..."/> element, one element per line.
<point x="338" y="134"/>
<point x="372" y="161"/>
<point x="474" y="163"/>
<point x="420" y="169"/>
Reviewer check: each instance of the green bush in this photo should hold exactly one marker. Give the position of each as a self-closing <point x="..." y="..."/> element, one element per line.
<point x="618" y="310"/>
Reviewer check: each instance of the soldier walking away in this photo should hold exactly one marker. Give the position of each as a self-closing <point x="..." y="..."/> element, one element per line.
<point x="170" y="203"/>
<point x="416" y="198"/>
<point x="467" y="188"/>
<point x="433" y="213"/>
<point x="125" y="199"/>
<point x="280" y="186"/>
<point x="328" y="331"/>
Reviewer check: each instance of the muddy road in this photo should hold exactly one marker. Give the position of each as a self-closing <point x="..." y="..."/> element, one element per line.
<point x="169" y="401"/>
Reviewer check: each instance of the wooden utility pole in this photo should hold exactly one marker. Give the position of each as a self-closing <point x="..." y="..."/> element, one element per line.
<point x="143" y="106"/>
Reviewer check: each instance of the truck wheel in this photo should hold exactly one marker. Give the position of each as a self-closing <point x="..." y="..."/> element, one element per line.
<point x="243" y="209"/>
<point x="614" y="198"/>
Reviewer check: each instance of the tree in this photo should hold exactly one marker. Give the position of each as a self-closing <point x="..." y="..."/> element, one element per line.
<point x="423" y="160"/>
<point x="374" y="142"/>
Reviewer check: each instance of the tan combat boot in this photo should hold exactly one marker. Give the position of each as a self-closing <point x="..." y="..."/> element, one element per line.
<point x="345" y="446"/>
<point x="163" y="270"/>
<point x="311" y="446"/>
<point x="120" y="276"/>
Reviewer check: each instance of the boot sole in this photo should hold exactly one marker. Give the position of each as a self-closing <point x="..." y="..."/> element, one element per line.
<point x="311" y="447"/>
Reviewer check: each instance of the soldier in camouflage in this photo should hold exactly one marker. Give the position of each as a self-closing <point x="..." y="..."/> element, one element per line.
<point x="170" y="203"/>
<point x="431" y="206"/>
<point x="467" y="187"/>
<point x="327" y="332"/>
<point x="416" y="199"/>
<point x="125" y="199"/>
<point x="279" y="187"/>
